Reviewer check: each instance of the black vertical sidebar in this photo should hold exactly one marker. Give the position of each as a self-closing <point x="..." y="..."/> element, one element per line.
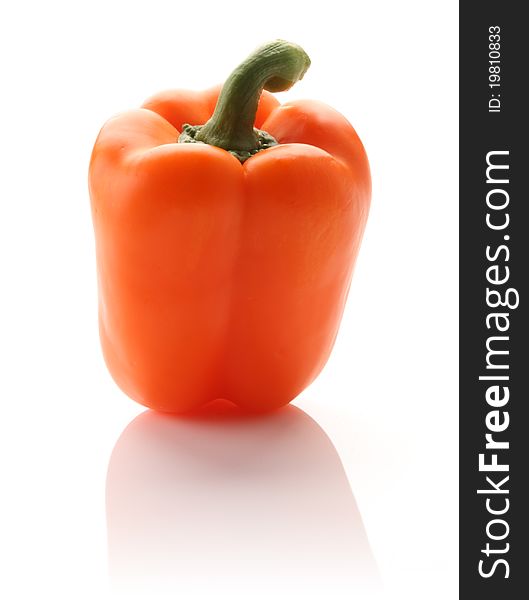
<point x="494" y="331"/>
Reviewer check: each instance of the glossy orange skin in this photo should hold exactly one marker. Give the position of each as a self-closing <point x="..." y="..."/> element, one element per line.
<point x="219" y="279"/>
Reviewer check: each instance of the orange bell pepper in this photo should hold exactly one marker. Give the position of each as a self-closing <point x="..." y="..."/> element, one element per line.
<point x="225" y="252"/>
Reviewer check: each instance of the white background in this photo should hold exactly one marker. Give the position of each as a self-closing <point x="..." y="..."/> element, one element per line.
<point x="387" y="399"/>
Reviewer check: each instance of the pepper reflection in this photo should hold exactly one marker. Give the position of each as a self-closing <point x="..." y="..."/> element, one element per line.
<point x="225" y="503"/>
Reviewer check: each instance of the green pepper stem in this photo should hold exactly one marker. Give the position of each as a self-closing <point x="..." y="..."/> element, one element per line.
<point x="275" y="67"/>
